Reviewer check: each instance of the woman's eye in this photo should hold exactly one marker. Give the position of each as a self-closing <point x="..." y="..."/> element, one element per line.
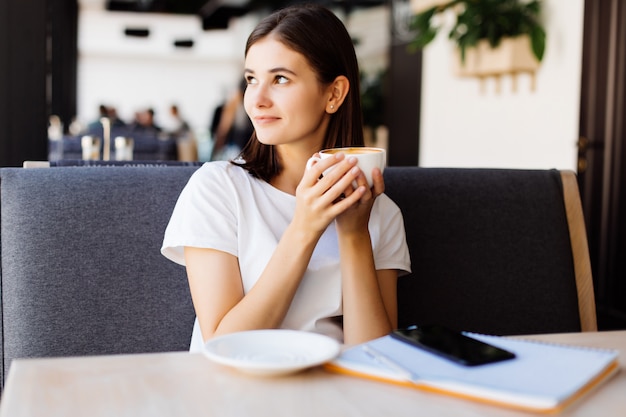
<point x="251" y="80"/>
<point x="280" y="79"/>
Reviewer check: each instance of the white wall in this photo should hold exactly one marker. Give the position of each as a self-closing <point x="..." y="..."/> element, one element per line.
<point x="462" y="126"/>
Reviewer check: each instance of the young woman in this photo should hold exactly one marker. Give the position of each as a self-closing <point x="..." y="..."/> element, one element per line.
<point x="270" y="244"/>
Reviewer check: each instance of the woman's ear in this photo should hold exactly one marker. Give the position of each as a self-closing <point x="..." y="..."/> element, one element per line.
<point x="338" y="90"/>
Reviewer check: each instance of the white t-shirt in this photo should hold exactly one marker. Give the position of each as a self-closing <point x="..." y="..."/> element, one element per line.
<point x="224" y="208"/>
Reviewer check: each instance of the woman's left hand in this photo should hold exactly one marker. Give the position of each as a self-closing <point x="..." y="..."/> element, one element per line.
<point x="356" y="218"/>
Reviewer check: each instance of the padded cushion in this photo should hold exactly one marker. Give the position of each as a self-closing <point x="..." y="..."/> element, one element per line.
<point x="81" y="268"/>
<point x="490" y="250"/>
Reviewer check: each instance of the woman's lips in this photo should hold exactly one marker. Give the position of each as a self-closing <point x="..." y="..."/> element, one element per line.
<point x="263" y="120"/>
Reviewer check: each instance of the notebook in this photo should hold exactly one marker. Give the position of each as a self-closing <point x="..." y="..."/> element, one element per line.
<point x="543" y="377"/>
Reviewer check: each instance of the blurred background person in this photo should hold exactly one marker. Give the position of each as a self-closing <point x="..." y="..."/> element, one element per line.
<point x="234" y="127"/>
<point x="179" y="126"/>
<point x="145" y="124"/>
<point x="180" y="130"/>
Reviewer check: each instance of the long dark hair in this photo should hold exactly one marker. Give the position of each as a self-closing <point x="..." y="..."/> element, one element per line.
<point x="317" y="34"/>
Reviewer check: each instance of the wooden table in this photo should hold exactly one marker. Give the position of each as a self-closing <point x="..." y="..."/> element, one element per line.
<point x="183" y="384"/>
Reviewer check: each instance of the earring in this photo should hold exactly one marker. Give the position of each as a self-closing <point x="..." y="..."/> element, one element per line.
<point x="332" y="107"/>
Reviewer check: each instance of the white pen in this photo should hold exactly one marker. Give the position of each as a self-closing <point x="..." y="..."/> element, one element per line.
<point x="390" y="363"/>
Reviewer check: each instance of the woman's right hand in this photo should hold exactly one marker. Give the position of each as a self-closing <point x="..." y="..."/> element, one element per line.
<point x="323" y="195"/>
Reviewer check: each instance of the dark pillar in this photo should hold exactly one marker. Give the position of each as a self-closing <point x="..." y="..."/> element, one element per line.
<point x="63" y="30"/>
<point x="38" y="55"/>
<point x="23" y="116"/>
<point x="403" y="103"/>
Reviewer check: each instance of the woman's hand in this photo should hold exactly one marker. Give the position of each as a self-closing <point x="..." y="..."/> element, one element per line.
<point x="324" y="194"/>
<point x="356" y="218"/>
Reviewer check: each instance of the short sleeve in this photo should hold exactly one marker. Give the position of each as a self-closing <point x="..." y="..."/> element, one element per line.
<point x="388" y="237"/>
<point x="205" y="214"/>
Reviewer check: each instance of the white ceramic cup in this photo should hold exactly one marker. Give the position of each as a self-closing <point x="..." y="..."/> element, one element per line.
<point x="368" y="158"/>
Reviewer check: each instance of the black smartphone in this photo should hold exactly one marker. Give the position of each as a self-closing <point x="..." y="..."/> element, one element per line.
<point x="452" y="345"/>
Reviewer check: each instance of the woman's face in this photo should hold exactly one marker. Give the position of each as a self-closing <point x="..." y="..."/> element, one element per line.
<point x="284" y="98"/>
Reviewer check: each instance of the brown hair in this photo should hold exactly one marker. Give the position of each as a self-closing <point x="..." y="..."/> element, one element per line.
<point x="319" y="35"/>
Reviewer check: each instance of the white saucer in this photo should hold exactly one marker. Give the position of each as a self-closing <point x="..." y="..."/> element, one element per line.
<point x="272" y="352"/>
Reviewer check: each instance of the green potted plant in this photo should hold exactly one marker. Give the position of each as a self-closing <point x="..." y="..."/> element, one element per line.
<point x="485" y="24"/>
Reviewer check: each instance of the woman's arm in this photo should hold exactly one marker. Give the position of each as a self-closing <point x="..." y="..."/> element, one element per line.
<point x="369" y="296"/>
<point x="217" y="290"/>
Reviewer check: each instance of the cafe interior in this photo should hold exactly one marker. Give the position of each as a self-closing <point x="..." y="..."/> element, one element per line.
<point x="507" y="167"/>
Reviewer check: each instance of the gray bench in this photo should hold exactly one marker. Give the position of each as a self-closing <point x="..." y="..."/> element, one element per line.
<point x="81" y="272"/>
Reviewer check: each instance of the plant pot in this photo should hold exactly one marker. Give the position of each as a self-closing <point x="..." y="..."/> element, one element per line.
<point x="512" y="56"/>
<point x="418" y="6"/>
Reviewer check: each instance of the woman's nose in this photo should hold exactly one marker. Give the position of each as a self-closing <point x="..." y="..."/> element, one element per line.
<point x="258" y="95"/>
